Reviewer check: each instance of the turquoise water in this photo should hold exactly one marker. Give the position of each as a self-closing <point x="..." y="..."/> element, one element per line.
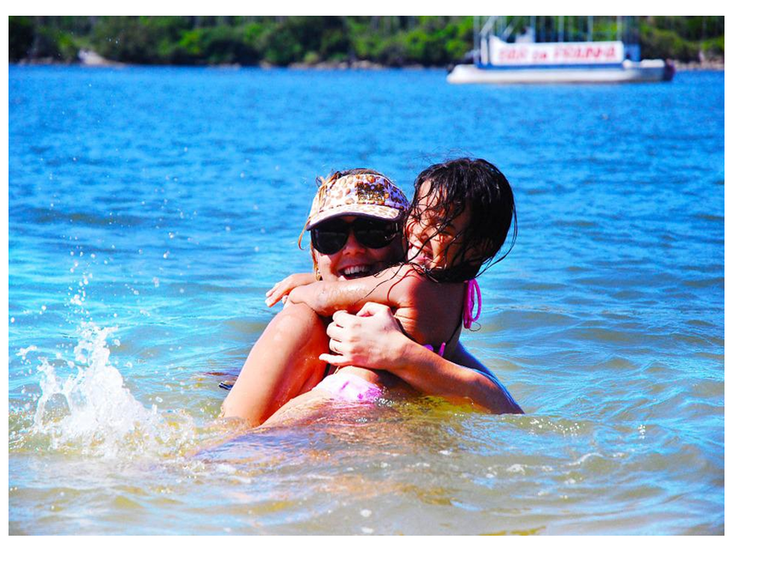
<point x="151" y="208"/>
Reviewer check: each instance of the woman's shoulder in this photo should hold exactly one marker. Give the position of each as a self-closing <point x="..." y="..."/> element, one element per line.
<point x="465" y="358"/>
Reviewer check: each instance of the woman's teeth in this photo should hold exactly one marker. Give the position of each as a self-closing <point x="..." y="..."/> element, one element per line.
<point x="355" y="271"/>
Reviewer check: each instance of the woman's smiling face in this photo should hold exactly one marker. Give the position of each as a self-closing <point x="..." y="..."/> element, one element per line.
<point x="355" y="260"/>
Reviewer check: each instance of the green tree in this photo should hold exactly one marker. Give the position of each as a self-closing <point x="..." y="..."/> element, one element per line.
<point x="21" y="35"/>
<point x="389" y="40"/>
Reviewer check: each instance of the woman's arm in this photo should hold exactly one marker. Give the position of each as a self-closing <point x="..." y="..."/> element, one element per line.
<point x="373" y="340"/>
<point x="283" y="363"/>
<point x="463" y="357"/>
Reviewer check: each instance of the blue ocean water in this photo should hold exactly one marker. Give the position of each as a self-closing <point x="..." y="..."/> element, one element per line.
<point x="151" y="208"/>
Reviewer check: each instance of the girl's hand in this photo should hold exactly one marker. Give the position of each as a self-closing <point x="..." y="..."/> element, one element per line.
<point x="281" y="290"/>
<point x="371" y="339"/>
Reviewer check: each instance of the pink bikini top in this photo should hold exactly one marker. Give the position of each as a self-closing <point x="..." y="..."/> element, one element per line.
<point x="468" y="316"/>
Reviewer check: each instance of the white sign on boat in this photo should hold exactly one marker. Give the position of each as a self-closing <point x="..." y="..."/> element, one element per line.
<point x="554" y="53"/>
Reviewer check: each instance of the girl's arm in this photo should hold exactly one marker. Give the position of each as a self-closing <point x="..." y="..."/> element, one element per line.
<point x="373" y="340"/>
<point x="281" y="290"/>
<point x="389" y="287"/>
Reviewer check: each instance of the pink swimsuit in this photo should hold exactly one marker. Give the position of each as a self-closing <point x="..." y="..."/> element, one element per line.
<point x="350" y="387"/>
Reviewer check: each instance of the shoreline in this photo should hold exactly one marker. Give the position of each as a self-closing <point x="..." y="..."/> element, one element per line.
<point x="357" y="65"/>
<point x="707" y="65"/>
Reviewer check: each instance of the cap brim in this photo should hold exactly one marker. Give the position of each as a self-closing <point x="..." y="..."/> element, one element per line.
<point x="375" y="211"/>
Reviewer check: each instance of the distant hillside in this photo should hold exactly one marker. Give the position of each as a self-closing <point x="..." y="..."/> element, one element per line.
<point x="314" y="40"/>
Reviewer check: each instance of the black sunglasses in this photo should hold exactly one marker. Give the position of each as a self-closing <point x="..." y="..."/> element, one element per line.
<point x="330" y="236"/>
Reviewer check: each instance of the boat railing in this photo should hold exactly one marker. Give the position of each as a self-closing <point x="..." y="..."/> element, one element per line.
<point x="534" y="29"/>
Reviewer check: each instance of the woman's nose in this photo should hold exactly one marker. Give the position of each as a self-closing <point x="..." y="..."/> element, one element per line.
<point x="353" y="246"/>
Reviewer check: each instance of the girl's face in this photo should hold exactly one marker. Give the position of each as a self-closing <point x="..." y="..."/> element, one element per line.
<point x="432" y="242"/>
<point x="354" y="259"/>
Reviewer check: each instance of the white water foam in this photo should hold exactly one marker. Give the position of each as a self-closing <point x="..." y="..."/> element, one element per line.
<point x="92" y="411"/>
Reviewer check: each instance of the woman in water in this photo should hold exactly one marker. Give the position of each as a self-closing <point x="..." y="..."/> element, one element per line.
<point x="461" y="215"/>
<point x="284" y="362"/>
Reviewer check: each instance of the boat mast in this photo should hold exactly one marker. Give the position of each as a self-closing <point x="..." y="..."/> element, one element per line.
<point x="485" y="57"/>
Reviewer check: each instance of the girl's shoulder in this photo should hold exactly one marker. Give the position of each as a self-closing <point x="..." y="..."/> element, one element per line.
<point x="410" y="285"/>
<point x="411" y="271"/>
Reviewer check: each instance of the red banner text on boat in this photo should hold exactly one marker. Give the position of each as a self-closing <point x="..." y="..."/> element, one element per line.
<point x="554" y="53"/>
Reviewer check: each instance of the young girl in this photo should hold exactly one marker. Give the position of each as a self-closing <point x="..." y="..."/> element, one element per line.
<point x="458" y="222"/>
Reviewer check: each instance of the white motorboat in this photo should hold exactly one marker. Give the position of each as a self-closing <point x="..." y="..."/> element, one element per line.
<point x="526" y="61"/>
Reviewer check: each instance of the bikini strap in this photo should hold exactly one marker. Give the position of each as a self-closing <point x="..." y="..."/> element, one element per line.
<point x="471" y="289"/>
<point x="440" y="352"/>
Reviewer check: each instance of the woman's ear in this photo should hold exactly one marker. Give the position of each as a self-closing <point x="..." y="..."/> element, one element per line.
<point x="314" y="265"/>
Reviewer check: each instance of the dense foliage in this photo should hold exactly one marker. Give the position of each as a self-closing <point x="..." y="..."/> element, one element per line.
<point x="387" y="40"/>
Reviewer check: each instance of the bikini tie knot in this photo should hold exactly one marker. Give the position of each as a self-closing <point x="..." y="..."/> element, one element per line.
<point x="471" y="290"/>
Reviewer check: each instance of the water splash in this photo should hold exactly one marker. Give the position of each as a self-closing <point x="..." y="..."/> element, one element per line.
<point x="92" y="412"/>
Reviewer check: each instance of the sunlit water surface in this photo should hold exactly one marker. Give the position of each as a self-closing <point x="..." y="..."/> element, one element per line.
<point x="151" y="208"/>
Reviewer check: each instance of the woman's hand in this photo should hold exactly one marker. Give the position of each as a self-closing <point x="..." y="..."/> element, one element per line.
<point x="371" y="339"/>
<point x="282" y="289"/>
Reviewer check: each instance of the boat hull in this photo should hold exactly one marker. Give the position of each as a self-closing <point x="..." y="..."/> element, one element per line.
<point x="644" y="71"/>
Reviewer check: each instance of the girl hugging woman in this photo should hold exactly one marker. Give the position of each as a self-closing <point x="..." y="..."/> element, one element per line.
<point x="396" y="326"/>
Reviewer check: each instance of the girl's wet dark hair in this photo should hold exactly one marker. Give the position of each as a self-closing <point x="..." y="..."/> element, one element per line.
<point x="479" y="186"/>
